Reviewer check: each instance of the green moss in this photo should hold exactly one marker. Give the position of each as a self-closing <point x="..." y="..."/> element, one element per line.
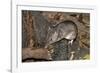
<point x="87" y="56"/>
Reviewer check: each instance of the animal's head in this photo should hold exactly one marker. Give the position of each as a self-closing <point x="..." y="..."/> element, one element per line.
<point x="51" y="38"/>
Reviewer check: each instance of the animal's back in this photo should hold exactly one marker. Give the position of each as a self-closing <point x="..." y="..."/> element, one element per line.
<point x="67" y="30"/>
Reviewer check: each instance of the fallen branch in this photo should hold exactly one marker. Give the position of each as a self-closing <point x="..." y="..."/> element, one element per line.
<point x="40" y="53"/>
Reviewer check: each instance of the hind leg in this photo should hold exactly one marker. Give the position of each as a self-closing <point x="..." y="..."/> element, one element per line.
<point x="70" y="42"/>
<point x="70" y="55"/>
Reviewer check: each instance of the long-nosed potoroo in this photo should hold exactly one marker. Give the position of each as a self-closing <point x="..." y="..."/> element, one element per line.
<point x="66" y="29"/>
